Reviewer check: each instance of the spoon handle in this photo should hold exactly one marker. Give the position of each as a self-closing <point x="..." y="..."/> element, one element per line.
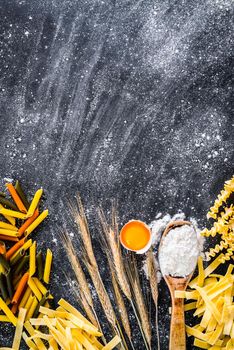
<point x="177" y="331"/>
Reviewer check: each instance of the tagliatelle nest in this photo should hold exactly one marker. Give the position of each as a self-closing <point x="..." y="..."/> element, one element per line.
<point x="224" y="223"/>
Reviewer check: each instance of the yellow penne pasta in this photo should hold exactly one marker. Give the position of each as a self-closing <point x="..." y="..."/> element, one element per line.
<point x="36" y="222"/>
<point x="10" y="219"/>
<point x="8" y="312"/>
<point x="24" y="247"/>
<point x="41" y="287"/>
<point x="9" y="233"/>
<point x="34" y="202"/>
<point x="48" y="263"/>
<point x="12" y="213"/>
<point x="25" y="298"/>
<point x="4" y="318"/>
<point x="7" y="226"/>
<point x="32" y="308"/>
<point x="29" y="302"/>
<point x="32" y="259"/>
<point x="34" y="289"/>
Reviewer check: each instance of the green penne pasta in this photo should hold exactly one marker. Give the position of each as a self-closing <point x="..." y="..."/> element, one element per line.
<point x="21" y="193"/>
<point x="4" y="263"/>
<point x="41" y="303"/>
<point x="6" y="202"/>
<point x="22" y="264"/>
<point x="18" y="257"/>
<point x="3" y="287"/>
<point x="9" y="284"/>
<point x="40" y="270"/>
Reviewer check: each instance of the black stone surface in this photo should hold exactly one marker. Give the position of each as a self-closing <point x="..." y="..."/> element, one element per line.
<point x="126" y="100"/>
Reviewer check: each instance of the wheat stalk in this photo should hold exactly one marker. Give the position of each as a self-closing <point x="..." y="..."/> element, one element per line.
<point x="116" y="256"/>
<point x="139" y="303"/>
<point x="142" y="311"/>
<point x="75" y="263"/>
<point x="152" y="274"/>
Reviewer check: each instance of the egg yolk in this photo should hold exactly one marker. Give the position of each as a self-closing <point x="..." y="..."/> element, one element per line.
<point x="135" y="235"/>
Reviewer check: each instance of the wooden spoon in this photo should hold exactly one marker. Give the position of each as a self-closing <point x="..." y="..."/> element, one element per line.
<point x="177" y="329"/>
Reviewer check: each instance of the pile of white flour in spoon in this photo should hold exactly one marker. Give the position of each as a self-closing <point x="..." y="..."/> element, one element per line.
<point x="157" y="228"/>
<point x="179" y="251"/>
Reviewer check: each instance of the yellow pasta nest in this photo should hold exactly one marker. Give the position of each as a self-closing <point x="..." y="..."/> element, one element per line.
<point x="223" y="225"/>
<point x="211" y="296"/>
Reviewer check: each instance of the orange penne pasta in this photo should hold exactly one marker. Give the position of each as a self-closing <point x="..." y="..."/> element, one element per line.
<point x="20" y="288"/>
<point x="14" y="248"/>
<point x="9" y="238"/>
<point x="16" y="198"/>
<point x="28" y="222"/>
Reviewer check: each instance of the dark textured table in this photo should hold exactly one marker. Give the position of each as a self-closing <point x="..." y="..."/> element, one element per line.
<point x="126" y="100"/>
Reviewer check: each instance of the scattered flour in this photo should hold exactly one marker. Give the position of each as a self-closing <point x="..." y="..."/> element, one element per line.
<point x="158" y="226"/>
<point x="179" y="251"/>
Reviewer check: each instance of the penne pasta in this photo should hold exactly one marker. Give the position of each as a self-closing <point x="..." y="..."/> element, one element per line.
<point x="21" y="193"/>
<point x="32" y="259"/>
<point x="14" y="248"/>
<point x="20" y="289"/>
<point x="7" y="226"/>
<point x="34" y="202"/>
<point x="16" y="198"/>
<point x="9" y="233"/>
<point x="36" y="222"/>
<point x="25" y="298"/>
<point x="10" y="219"/>
<point x="34" y="289"/>
<point x="48" y="263"/>
<point x="24" y="247"/>
<point x="8" y="312"/>
<point x="32" y="308"/>
<point x="12" y="213"/>
<point x="28" y="222"/>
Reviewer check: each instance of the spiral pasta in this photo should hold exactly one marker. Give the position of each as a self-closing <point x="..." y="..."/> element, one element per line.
<point x="218" y="248"/>
<point x="222" y="198"/>
<point x="223" y="225"/>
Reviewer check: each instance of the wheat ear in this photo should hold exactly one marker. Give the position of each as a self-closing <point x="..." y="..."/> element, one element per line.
<point x="142" y="311"/>
<point x="139" y="303"/>
<point x="78" y="214"/>
<point x="117" y="259"/>
<point x="75" y="263"/>
<point x="102" y="294"/>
